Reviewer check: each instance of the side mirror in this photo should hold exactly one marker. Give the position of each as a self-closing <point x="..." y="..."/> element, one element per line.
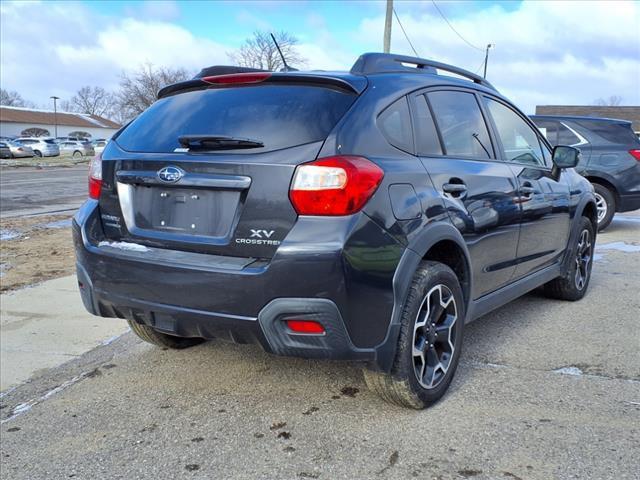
<point x="565" y="157"/>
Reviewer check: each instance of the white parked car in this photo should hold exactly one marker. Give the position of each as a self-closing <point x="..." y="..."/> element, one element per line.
<point x="20" y="151"/>
<point x="42" y="147"/>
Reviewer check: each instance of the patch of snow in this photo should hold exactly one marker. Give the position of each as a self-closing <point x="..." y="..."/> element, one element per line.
<point x="619" y="218"/>
<point x="59" y="224"/>
<point x="8" y="234"/>
<point x="597" y="256"/>
<point x="575" y="371"/>
<point x="132" y="247"/>
<point x="25" y="407"/>
<point x="620" y="246"/>
<point x="114" y="338"/>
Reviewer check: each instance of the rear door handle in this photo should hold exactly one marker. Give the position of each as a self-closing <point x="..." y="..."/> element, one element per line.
<point x="455" y="189"/>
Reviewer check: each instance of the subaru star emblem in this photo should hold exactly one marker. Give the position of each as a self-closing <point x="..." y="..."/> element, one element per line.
<point x="170" y="174"/>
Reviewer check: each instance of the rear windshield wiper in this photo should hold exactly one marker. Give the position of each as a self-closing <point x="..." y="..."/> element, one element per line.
<point x="217" y="142"/>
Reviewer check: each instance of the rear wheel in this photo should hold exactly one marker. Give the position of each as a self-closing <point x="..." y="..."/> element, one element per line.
<point x="159" y="339"/>
<point x="574" y="283"/>
<point x="605" y="205"/>
<point x="77" y="154"/>
<point x="429" y="343"/>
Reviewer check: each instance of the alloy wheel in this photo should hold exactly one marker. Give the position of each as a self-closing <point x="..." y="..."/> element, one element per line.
<point x="601" y="207"/>
<point x="583" y="259"/>
<point x="434" y="336"/>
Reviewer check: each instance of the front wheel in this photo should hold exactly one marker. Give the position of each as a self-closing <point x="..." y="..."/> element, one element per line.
<point x="572" y="285"/>
<point x="160" y="339"/>
<point x="77" y="154"/>
<point x="429" y="343"/>
<point x="37" y="153"/>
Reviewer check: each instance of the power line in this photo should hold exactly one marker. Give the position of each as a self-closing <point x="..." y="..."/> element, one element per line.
<point x="451" y="26"/>
<point x="405" y="33"/>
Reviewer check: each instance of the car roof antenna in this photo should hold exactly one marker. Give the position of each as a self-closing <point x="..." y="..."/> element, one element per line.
<point x="285" y="68"/>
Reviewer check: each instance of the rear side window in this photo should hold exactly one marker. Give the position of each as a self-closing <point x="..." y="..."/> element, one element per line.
<point x="426" y="133"/>
<point x="461" y="124"/>
<point x="519" y="141"/>
<point x="610" y="131"/>
<point x="279" y="116"/>
<point x="566" y="136"/>
<point x="395" y="124"/>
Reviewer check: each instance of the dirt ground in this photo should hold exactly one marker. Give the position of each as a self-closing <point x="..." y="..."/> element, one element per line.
<point x="34" y="249"/>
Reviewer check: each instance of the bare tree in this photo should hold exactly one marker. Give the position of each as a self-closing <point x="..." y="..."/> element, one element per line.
<point x="259" y="51"/>
<point x="139" y="90"/>
<point x="94" y="101"/>
<point x="612" y="101"/>
<point x="13" y="99"/>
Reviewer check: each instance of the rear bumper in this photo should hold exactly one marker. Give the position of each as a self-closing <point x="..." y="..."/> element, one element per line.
<point x="628" y="202"/>
<point x="323" y="281"/>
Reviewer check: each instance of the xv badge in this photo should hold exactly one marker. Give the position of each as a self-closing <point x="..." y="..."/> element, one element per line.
<point x="261" y="233"/>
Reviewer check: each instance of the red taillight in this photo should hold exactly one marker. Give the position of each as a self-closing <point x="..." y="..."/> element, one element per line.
<point x="95" y="177"/>
<point x="305" y="326"/>
<point x="635" y="154"/>
<point x="235" y="78"/>
<point x="339" y="185"/>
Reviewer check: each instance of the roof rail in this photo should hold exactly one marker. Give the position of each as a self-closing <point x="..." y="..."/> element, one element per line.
<point x="390" y="63"/>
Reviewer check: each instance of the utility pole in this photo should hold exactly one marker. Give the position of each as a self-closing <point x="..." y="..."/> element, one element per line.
<point x="55" y="114"/>
<point x="387" y="26"/>
<point x="486" y="58"/>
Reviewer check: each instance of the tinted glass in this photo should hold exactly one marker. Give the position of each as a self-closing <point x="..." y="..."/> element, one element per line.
<point x="611" y="132"/>
<point x="427" y="136"/>
<point x="566" y="136"/>
<point x="395" y="124"/>
<point x="278" y="116"/>
<point x="50" y="141"/>
<point x="519" y="140"/>
<point x="461" y="124"/>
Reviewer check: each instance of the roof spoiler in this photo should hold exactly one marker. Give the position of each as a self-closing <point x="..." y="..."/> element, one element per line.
<point x="225" y="70"/>
<point x="369" y="63"/>
<point x="355" y="85"/>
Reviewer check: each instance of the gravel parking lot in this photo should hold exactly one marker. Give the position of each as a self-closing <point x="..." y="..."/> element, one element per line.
<point x="545" y="389"/>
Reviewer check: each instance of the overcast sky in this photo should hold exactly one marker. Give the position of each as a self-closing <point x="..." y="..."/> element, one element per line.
<point x="546" y="52"/>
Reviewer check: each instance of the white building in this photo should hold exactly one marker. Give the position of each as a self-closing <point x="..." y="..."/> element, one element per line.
<point x="16" y="122"/>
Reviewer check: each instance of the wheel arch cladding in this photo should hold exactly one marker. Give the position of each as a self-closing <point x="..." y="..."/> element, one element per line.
<point x="591" y="212"/>
<point x="440" y="242"/>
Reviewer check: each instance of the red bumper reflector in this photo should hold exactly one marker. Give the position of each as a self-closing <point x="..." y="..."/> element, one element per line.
<point x="305" y="326"/>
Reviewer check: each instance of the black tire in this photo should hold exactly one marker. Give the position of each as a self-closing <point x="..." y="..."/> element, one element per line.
<point x="159" y="339"/>
<point x="37" y="153"/>
<point x="606" y="205"/>
<point x="401" y="386"/>
<point x="77" y="154"/>
<point x="573" y="285"/>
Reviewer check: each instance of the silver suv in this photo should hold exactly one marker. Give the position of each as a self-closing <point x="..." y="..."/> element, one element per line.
<point x="77" y="148"/>
<point x="42" y="147"/>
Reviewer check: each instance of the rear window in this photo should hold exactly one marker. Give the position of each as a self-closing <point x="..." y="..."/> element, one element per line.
<point x="50" y="141"/>
<point x="611" y="132"/>
<point x="279" y="116"/>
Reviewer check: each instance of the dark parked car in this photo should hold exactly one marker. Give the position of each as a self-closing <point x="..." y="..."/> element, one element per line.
<point x="610" y="158"/>
<point x="365" y="216"/>
<point x="5" y="151"/>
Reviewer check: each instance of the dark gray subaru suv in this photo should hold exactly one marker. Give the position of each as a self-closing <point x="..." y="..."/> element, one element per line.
<point x="363" y="215"/>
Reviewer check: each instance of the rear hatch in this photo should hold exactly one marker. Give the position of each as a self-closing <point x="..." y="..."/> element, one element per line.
<point x="208" y="169"/>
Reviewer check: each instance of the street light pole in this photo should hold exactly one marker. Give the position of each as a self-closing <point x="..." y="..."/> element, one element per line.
<point x="387" y="27"/>
<point x="55" y="114"/>
<point x="486" y="58"/>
